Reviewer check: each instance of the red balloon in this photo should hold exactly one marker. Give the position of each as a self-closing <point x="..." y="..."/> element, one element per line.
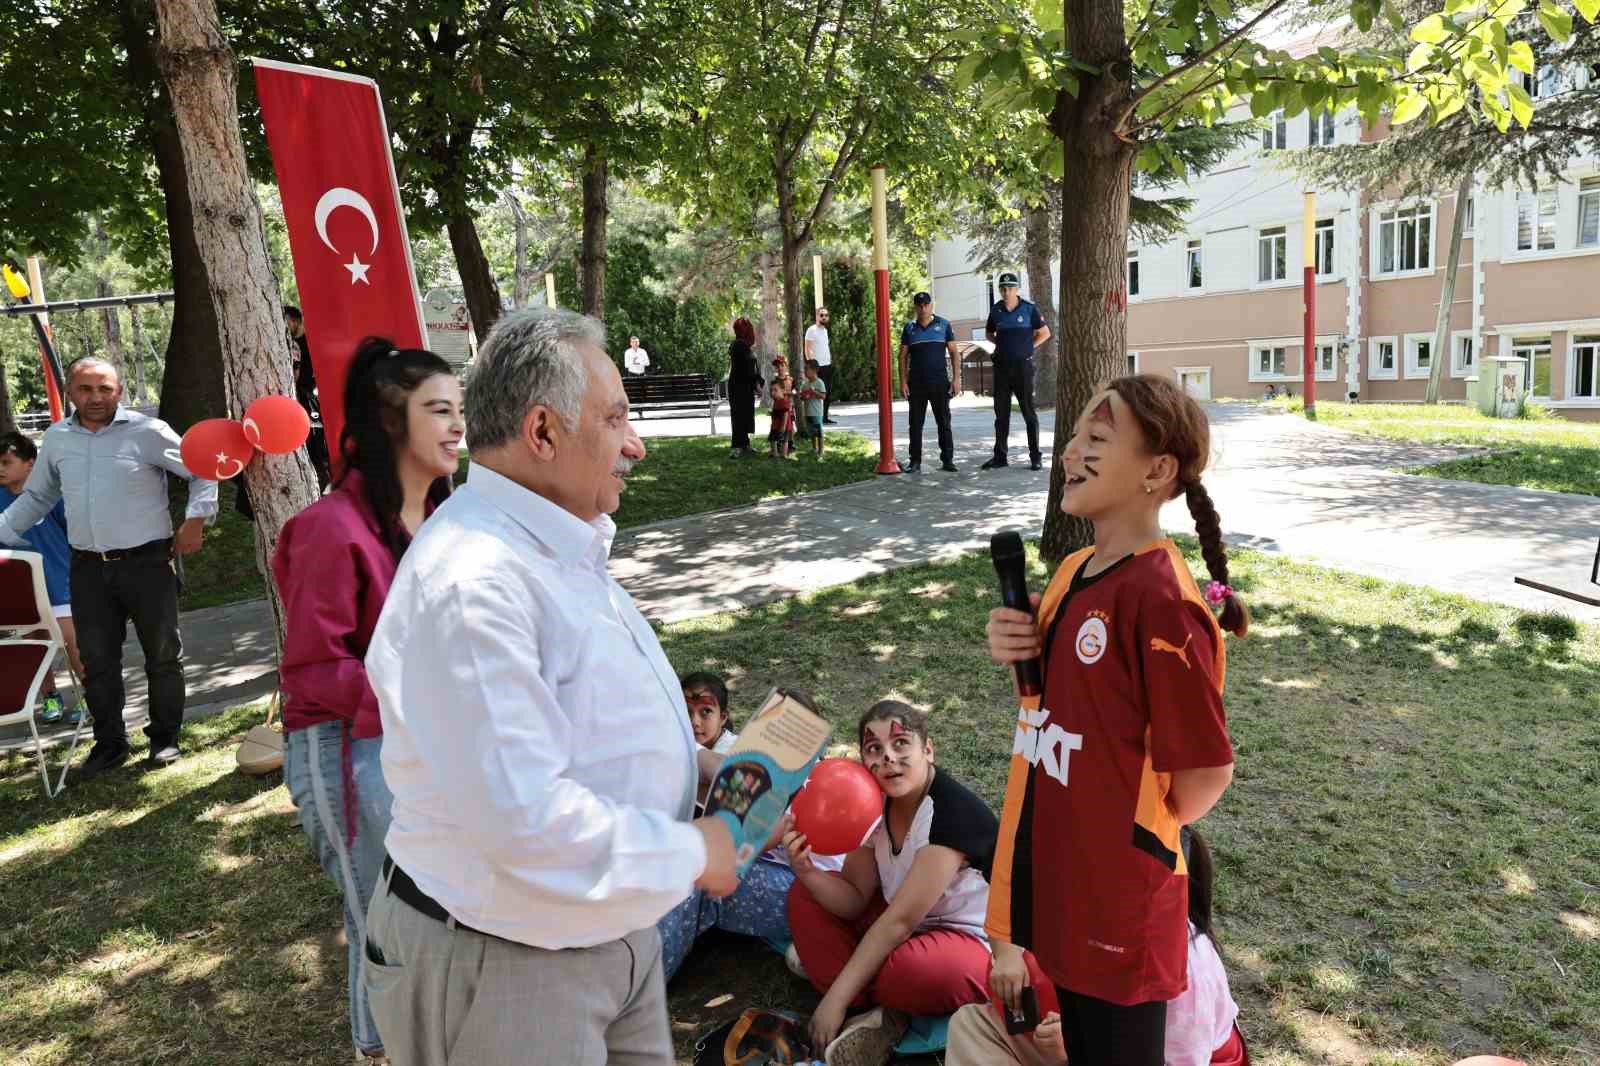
<point x="838" y="806"/>
<point x="276" y="424"/>
<point x="216" y="449"/>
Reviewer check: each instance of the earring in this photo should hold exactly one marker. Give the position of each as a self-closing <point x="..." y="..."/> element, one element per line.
<point x="1147" y="489"/>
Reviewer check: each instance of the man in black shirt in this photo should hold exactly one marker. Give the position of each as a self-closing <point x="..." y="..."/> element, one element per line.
<point x="305" y="391"/>
<point x="1015" y="328"/>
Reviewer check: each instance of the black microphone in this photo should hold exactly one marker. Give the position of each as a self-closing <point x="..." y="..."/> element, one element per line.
<point x="1009" y="560"/>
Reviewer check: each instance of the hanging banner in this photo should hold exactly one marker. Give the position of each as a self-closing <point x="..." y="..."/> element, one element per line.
<point x="347" y="229"/>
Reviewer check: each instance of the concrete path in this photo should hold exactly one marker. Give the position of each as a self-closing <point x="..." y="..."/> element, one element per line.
<point x="1280" y="484"/>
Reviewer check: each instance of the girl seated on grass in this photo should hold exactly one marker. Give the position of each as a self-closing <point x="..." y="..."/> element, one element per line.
<point x="901" y="926"/>
<point x="1201" y="1026"/>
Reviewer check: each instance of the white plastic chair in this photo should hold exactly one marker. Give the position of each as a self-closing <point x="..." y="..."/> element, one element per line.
<point x="29" y="641"/>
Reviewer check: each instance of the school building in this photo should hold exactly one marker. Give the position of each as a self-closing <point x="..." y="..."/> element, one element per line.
<point x="1219" y="305"/>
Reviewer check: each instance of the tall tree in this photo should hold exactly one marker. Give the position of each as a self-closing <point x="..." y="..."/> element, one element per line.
<point x="1123" y="74"/>
<point x="201" y="77"/>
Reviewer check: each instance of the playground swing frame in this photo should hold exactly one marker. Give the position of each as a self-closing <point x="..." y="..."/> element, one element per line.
<point x="1580" y="597"/>
<point x="47" y="343"/>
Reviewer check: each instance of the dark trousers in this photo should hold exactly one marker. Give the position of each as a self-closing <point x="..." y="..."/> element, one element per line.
<point x="742" y="411"/>
<point x="1098" y="1033"/>
<point x="1014" y="379"/>
<point x="142" y="587"/>
<point x="826" y="374"/>
<point x="936" y="394"/>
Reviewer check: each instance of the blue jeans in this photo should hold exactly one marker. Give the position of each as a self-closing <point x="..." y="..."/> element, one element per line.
<point x="313" y="771"/>
<point x="759" y="908"/>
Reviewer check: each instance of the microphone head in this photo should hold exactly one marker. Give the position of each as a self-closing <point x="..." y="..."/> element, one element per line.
<point x="1005" y="545"/>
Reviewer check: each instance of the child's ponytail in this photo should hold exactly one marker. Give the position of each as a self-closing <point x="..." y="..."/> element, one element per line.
<point x="1208" y="526"/>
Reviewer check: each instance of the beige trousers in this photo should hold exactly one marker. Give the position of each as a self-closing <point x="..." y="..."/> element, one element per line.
<point x="449" y="997"/>
<point x="978" y="1037"/>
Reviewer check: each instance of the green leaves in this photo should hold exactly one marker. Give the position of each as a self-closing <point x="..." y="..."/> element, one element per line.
<point x="1431" y="30"/>
<point x="1521" y="57"/>
<point x="1521" y="104"/>
<point x="1557" y="21"/>
<point x="1589" y="9"/>
<point x="1411" y="106"/>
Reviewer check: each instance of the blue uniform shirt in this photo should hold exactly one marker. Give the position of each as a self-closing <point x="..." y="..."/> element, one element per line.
<point x="930" y="362"/>
<point x="49" y="539"/>
<point x="1012" y="331"/>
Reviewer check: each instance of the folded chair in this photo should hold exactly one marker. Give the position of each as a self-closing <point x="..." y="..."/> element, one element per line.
<point x="29" y="641"/>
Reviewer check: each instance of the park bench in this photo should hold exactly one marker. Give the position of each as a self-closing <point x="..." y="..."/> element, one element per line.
<point x="674" y="395"/>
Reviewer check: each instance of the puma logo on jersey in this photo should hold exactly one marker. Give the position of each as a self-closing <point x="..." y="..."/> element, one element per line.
<point x="1040" y="741"/>
<point x="1157" y="644"/>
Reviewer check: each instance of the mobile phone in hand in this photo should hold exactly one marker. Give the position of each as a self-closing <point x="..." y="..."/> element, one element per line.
<point x="1026" y="1018"/>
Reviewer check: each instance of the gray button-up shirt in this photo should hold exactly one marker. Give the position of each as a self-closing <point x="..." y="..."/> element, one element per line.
<point x="114" y="482"/>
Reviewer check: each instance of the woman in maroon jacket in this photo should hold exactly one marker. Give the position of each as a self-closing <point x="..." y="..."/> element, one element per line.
<point x="334" y="564"/>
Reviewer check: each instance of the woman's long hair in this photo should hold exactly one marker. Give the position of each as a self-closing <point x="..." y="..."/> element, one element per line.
<point x="744" y="331"/>
<point x="380" y="381"/>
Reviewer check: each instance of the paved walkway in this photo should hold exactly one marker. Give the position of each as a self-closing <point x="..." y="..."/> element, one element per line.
<point x="1280" y="484"/>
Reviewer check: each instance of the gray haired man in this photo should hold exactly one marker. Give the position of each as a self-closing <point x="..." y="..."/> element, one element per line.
<point x="535" y="739"/>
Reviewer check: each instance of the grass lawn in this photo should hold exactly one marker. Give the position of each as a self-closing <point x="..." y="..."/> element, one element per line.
<point x="1409" y="858"/>
<point x="681" y="476"/>
<point x="1537" y="453"/>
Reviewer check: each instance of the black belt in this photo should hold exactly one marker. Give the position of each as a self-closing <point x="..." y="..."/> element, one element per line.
<point x="116" y="555"/>
<point x="403" y="888"/>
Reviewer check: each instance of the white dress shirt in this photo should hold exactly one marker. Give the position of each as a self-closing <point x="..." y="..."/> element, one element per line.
<point x="637" y="360"/>
<point x="817" y="335"/>
<point x="535" y="736"/>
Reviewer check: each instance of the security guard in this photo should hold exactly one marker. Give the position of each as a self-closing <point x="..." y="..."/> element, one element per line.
<point x="1015" y="329"/>
<point x="933" y="377"/>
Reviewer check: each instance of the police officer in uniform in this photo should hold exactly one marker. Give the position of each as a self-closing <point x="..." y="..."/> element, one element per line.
<point x="1015" y="329"/>
<point x="930" y="374"/>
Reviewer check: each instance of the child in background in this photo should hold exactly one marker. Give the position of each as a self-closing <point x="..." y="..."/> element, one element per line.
<point x="1201" y="1023"/>
<point x="780" y="438"/>
<point x="901" y="926"/>
<point x="814" y="393"/>
<point x="49" y="539"/>
<point x="706" y="696"/>
<point x="1129" y="742"/>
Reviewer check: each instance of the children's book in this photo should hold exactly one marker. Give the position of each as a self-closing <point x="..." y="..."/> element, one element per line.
<point x="776" y="750"/>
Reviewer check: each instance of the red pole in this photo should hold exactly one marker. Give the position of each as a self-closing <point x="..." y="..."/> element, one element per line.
<point x="1309" y="286"/>
<point x="47" y="355"/>
<point x="880" y="271"/>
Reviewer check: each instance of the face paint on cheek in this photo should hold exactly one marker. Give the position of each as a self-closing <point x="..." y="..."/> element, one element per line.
<point x="1091" y="471"/>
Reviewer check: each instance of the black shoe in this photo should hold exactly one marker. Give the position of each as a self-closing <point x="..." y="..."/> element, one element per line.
<point x="829" y="422"/>
<point x="914" y="467"/>
<point x="102" y="758"/>
<point x="1036" y="464"/>
<point x="948" y="467"/>
<point x="994" y="464"/>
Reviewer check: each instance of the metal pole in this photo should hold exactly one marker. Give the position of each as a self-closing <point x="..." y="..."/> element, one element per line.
<point x="55" y="385"/>
<point x="880" y="271"/>
<point x="1309" y="286"/>
<point x="42" y="308"/>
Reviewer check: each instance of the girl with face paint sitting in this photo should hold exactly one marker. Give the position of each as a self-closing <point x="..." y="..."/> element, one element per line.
<point x="901" y="927"/>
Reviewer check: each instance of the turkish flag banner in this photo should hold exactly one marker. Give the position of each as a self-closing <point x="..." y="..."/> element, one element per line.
<point x="347" y="230"/>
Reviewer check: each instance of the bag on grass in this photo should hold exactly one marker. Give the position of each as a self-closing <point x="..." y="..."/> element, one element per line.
<point x="261" y="750"/>
<point x="756" y="1038"/>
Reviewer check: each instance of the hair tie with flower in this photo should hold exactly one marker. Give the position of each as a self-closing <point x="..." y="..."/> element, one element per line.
<point x="1217" y="593"/>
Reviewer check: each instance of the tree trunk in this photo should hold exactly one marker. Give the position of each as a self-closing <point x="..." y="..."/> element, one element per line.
<point x="520" y="279"/>
<point x="593" y="256"/>
<point x="477" y="280"/>
<point x="1094" y="241"/>
<point x="191" y="384"/>
<point x="794" y="317"/>
<point x="201" y="79"/>
<point x="138" y="349"/>
<point x="1447" y="295"/>
<point x="769" y="308"/>
<point x="7" y="422"/>
<point x="110" y="317"/>
<point x="1041" y="285"/>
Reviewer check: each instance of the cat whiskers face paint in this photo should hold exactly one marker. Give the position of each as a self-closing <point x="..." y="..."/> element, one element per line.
<point x="1087" y="469"/>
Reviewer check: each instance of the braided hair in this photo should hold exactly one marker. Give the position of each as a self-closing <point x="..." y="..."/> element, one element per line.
<point x="1174" y="424"/>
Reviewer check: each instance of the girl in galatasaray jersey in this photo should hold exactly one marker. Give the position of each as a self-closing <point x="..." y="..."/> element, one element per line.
<point x="1130" y="741"/>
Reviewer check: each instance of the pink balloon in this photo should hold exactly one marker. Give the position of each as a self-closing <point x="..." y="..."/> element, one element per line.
<point x="215" y="449"/>
<point x="276" y="424"/>
<point x="838" y="806"/>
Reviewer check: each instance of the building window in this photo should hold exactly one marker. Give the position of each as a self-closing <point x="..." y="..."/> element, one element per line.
<point x="1419" y="355"/>
<point x="1327" y="361"/>
<point x="1472" y="214"/>
<point x="1133" y="362"/>
<point x="1463" y="356"/>
<point x="1276" y="133"/>
<point x="1133" y="273"/>
<point x="989" y="289"/>
<point x="1536" y="353"/>
<point x="1382" y="363"/>
<point x="1324" y="245"/>
<point x="1196" y="265"/>
<point x="1585" y="384"/>
<point x="1273" y="250"/>
<point x="1271" y="362"/>
<point x="1321" y="134"/>
<point x="1405" y="238"/>
<point x="1536" y="220"/>
<point x="1589" y="213"/>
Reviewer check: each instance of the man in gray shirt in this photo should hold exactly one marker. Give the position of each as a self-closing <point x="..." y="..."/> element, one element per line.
<point x="111" y="466"/>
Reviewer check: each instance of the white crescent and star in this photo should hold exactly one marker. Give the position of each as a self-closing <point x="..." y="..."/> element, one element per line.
<point x="224" y="457"/>
<point x="331" y="201"/>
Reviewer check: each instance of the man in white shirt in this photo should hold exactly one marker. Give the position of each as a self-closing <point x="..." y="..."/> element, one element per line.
<point x="817" y="348"/>
<point x="636" y="359"/>
<point x="535" y="740"/>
